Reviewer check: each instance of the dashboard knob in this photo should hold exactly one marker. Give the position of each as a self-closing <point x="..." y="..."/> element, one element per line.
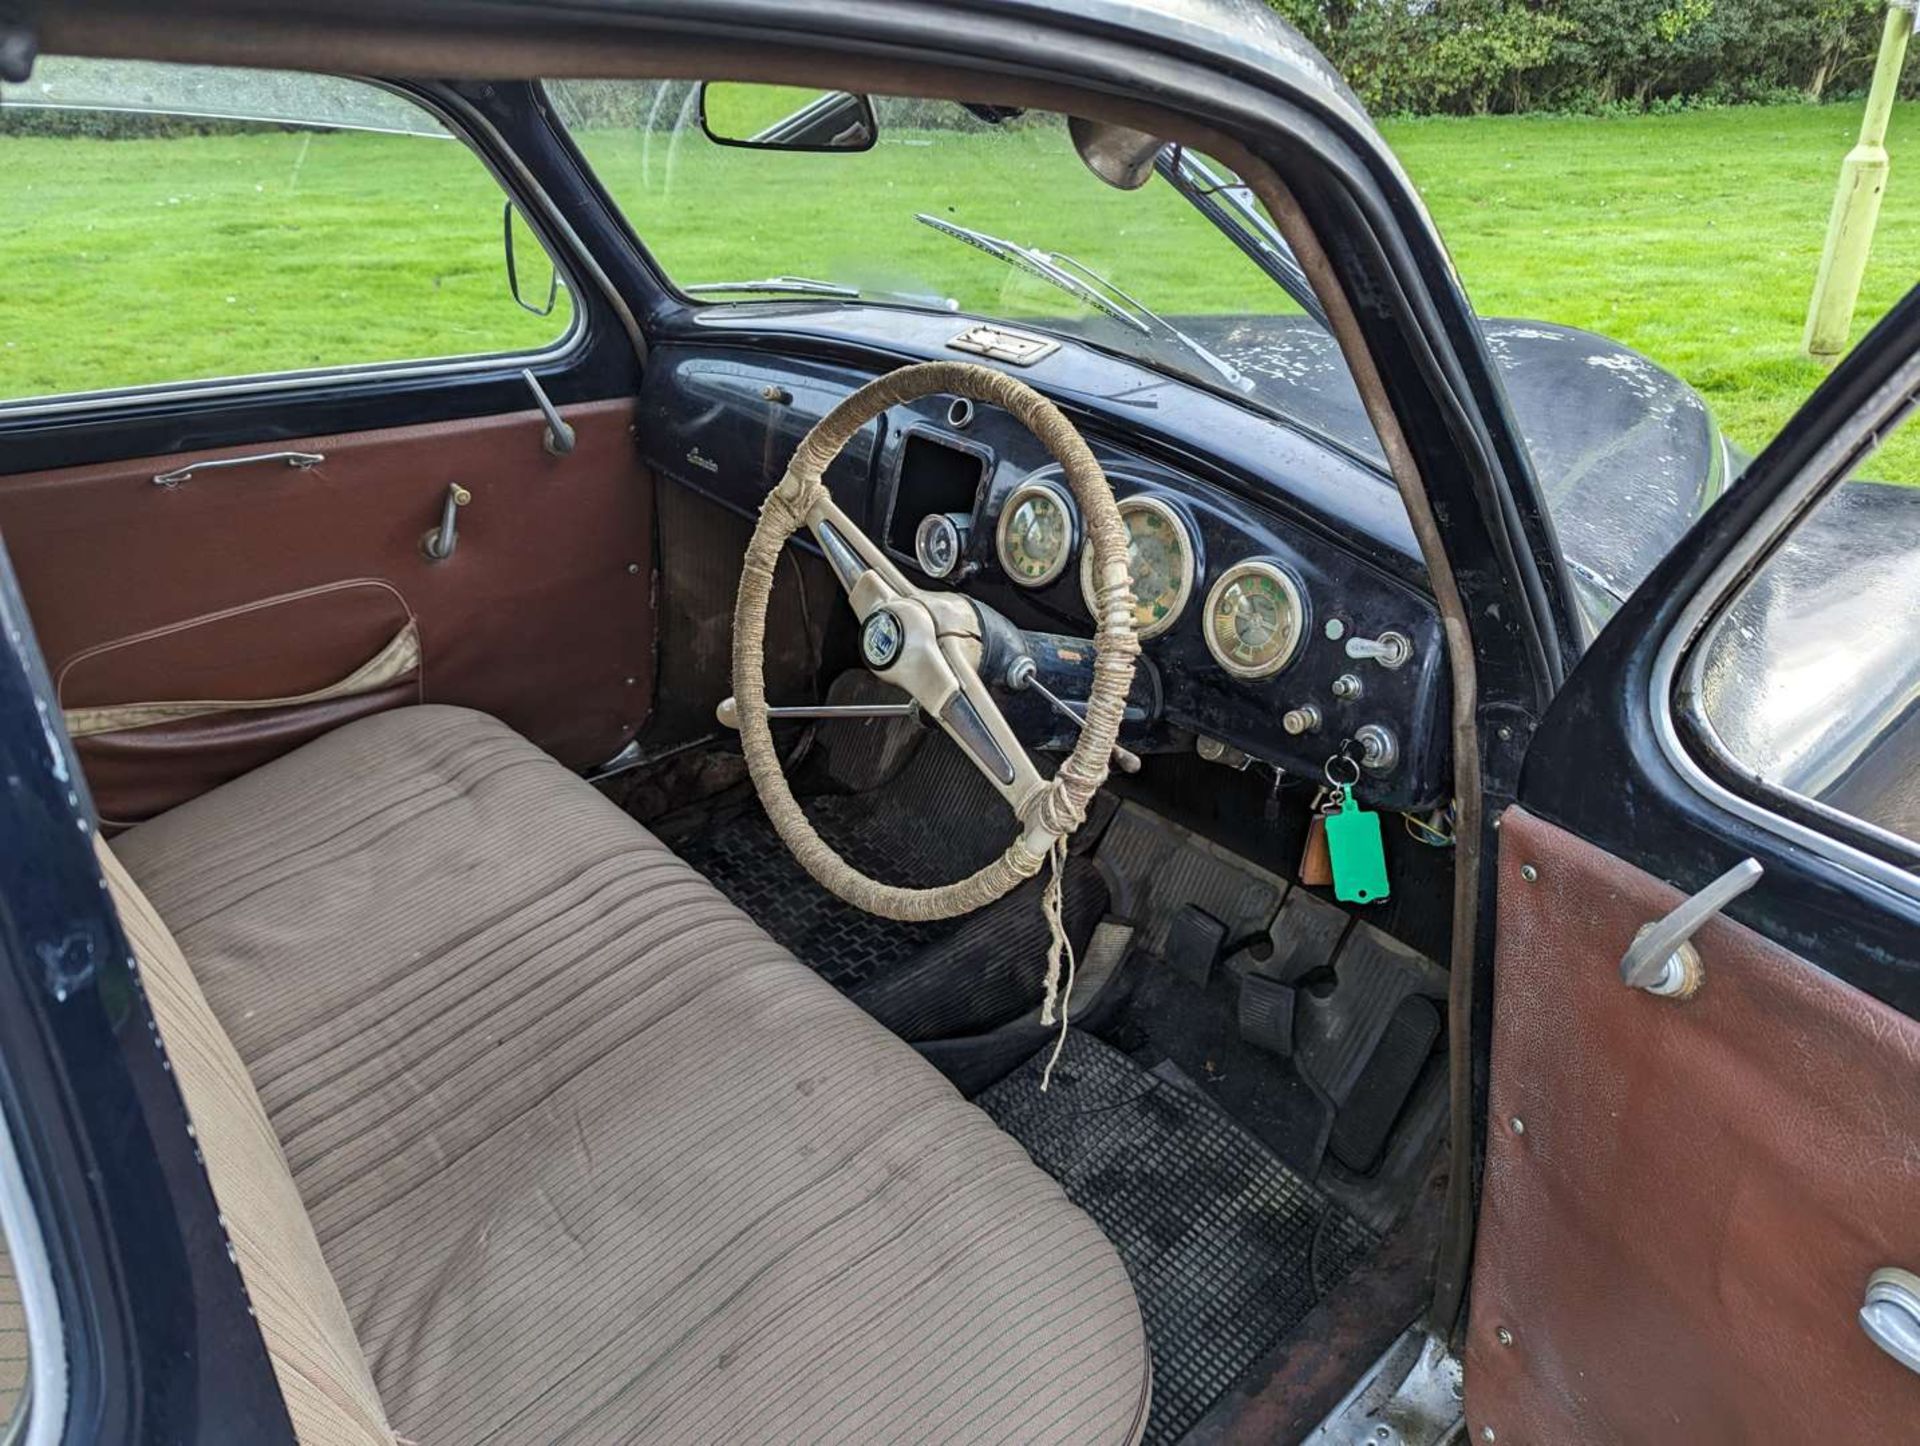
<point x="1304" y="719"/>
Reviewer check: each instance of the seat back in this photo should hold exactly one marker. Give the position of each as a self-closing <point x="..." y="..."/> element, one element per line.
<point x="316" y="1358"/>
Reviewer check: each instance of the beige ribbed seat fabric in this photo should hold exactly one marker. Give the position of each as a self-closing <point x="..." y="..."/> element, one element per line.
<point x="13" y="1341"/>
<point x="592" y="1158"/>
<point x="316" y="1358"/>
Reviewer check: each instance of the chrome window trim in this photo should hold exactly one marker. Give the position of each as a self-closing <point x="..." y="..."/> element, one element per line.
<point x="194" y="389"/>
<point x="1829" y="467"/>
<point x="41" y="1417"/>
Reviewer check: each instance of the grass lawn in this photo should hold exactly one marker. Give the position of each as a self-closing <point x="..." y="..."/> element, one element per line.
<point x="1692" y="237"/>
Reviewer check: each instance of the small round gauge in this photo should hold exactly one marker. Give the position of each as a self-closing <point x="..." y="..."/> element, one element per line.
<point x="1036" y="533"/>
<point x="1255" y="618"/>
<point x="1161" y="557"/>
<point x="938" y="542"/>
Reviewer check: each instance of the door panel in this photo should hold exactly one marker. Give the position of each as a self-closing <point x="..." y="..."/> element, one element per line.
<point x="278" y="602"/>
<point x="1677" y="1237"/>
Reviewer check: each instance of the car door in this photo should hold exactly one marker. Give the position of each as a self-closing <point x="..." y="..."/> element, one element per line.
<point x="1700" y="1215"/>
<point x="299" y="420"/>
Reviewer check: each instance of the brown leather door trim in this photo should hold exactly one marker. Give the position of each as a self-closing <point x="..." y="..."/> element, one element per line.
<point x="1683" y="1199"/>
<point x="543" y="615"/>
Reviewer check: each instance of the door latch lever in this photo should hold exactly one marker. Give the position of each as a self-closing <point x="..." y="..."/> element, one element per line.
<point x="1661" y="959"/>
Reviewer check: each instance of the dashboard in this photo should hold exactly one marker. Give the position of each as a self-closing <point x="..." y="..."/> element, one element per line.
<point x="1266" y="634"/>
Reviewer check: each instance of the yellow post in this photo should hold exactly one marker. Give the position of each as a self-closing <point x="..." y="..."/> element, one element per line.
<point x="1856" y="205"/>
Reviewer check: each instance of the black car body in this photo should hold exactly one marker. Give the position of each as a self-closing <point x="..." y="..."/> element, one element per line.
<point x="1679" y="1195"/>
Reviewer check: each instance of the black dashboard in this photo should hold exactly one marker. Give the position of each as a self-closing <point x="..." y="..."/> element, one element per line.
<point x="1267" y="634"/>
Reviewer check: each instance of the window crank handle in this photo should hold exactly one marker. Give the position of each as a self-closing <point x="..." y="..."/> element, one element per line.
<point x="439" y="542"/>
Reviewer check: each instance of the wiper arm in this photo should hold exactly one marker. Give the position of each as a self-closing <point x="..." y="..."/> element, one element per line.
<point x="1229" y="206"/>
<point x="1085" y="284"/>
<point x="776" y="286"/>
<point x="1035" y="262"/>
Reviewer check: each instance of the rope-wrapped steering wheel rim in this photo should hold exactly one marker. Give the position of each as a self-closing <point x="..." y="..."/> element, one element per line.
<point x="1058" y="807"/>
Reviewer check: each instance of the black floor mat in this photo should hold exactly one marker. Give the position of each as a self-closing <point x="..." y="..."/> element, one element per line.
<point x="936" y="822"/>
<point x="746" y="860"/>
<point x="1228" y="1248"/>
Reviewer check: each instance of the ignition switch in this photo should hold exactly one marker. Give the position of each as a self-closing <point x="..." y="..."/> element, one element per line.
<point x="1379" y="749"/>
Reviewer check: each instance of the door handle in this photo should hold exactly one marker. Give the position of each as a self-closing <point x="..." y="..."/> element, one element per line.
<point x="1661" y="959"/>
<point x="301" y="460"/>
<point x="1891" y="1314"/>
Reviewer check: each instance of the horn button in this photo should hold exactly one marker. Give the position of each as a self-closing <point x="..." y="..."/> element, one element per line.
<point x="881" y="639"/>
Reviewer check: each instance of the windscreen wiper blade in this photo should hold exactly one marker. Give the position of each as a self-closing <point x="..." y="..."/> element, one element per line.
<point x="776" y="286"/>
<point x="1085" y="284"/>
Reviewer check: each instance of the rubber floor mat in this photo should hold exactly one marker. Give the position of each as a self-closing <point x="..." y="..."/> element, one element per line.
<point x="1228" y="1249"/>
<point x="936" y="822"/>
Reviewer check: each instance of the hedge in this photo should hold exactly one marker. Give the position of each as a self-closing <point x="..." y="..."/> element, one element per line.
<point x="1471" y="57"/>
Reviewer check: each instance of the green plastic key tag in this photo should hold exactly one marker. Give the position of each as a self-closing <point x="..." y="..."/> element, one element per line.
<point x="1357" y="852"/>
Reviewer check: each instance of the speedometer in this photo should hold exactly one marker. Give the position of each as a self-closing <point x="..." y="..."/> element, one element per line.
<point x="1254" y="619"/>
<point x="1160" y="557"/>
<point x="1036" y="533"/>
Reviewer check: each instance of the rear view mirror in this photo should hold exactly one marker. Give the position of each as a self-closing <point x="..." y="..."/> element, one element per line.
<point x="1118" y="155"/>
<point x="785" y="117"/>
<point x="541" y="278"/>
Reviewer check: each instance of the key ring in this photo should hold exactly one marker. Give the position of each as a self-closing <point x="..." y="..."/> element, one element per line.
<point x="1342" y="756"/>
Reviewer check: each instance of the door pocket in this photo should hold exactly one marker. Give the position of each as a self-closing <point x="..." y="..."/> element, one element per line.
<point x="167" y="714"/>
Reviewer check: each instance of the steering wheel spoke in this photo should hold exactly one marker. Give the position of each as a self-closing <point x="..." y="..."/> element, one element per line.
<point x="974" y="721"/>
<point x="863" y="571"/>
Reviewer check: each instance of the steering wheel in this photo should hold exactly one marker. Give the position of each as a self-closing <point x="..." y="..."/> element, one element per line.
<point x="931" y="645"/>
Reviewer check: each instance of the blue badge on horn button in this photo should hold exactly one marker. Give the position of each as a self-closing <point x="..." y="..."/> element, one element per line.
<point x="880" y="639"/>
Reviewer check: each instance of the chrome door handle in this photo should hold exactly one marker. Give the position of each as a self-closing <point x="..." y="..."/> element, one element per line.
<point x="1661" y="960"/>
<point x="1891" y="1314"/>
<point x="302" y="460"/>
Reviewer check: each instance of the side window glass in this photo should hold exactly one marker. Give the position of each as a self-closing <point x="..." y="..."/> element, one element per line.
<point x="165" y="223"/>
<point x="1808" y="681"/>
